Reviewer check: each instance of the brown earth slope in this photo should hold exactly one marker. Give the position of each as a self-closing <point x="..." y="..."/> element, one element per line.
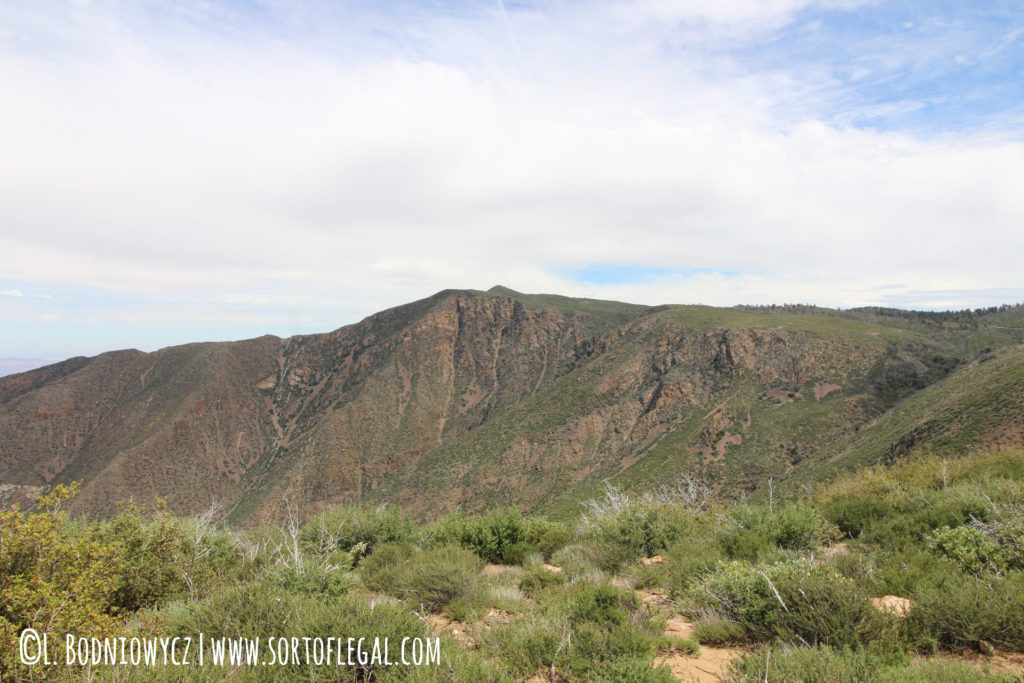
<point x="476" y="398"/>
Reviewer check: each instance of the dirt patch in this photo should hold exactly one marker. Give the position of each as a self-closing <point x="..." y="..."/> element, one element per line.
<point x="441" y="623"/>
<point x="728" y="440"/>
<point x="780" y="396"/>
<point x="893" y="603"/>
<point x="654" y="599"/>
<point x="825" y="552"/>
<point x="546" y="676"/>
<point x="823" y="389"/>
<point x="498" y="617"/>
<point x="679" y="627"/>
<point x="710" y="665"/>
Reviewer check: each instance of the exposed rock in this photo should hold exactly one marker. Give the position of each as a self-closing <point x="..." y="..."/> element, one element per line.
<point x="891" y="603"/>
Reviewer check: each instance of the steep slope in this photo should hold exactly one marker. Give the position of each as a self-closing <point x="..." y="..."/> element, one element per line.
<point x="980" y="406"/>
<point x="470" y="399"/>
<point x="731" y="396"/>
<point x="316" y="418"/>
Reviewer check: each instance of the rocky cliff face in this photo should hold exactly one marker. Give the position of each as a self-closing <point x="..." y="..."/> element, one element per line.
<point x="321" y="417"/>
<point x="463" y="399"/>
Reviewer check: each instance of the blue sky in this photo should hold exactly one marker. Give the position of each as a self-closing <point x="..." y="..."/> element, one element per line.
<point x="193" y="171"/>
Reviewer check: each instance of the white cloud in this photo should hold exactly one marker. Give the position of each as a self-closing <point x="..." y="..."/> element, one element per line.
<point x="268" y="175"/>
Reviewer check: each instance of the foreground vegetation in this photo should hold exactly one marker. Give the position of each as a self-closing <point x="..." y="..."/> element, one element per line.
<point x="791" y="582"/>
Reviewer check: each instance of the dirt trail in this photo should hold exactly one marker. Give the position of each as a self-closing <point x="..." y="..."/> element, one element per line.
<point x="709" y="665"/>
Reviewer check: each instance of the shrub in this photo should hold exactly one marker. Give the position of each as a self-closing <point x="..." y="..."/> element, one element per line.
<point x="577" y="561"/>
<point x="805" y="664"/>
<point x="581" y="629"/>
<point x="51" y="580"/>
<point x="690" y="559"/>
<point x="792" y="526"/>
<point x="261" y="610"/>
<point x="167" y="557"/>
<point x="748" y="545"/>
<point x="958" y="610"/>
<point x="638" y="529"/>
<point x="356" y="529"/>
<point x="546" y="536"/>
<point x="537" y="578"/>
<point x="792" y="601"/>
<point x="497" y="536"/>
<point x="630" y="670"/>
<point x="970" y="548"/>
<point x="853" y="515"/>
<point x="433" y="578"/>
<point x="608" y="623"/>
<point x="526" y="645"/>
<point x="848" y="665"/>
<point x="890" y="572"/>
<point x="714" y="630"/>
<point x="324" y="582"/>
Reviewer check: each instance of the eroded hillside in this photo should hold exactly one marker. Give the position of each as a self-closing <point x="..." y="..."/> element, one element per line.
<point x="467" y="399"/>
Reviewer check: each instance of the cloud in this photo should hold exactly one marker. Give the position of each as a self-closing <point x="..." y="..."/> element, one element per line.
<point x="219" y="168"/>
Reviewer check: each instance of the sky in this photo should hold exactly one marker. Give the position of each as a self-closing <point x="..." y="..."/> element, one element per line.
<point x="198" y="170"/>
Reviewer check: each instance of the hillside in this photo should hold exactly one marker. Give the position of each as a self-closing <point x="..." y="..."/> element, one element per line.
<point x="468" y="399"/>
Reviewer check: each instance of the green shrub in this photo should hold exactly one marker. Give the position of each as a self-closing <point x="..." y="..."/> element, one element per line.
<point x="168" y="557"/>
<point x="586" y="631"/>
<point x="792" y="526"/>
<point x="630" y="670"/>
<point x="536" y="579"/>
<point x="356" y="529"/>
<point x="497" y="536"/>
<point x="958" y="610"/>
<point x="52" y="580"/>
<point x="518" y="553"/>
<point x="262" y="610"/>
<point x="639" y="529"/>
<point x="714" y="630"/>
<point x="323" y="582"/>
<point x="433" y="578"/>
<point x="546" y="536"/>
<point x="748" y="545"/>
<point x="860" y="665"/>
<point x="944" y="671"/>
<point x="890" y="572"/>
<point x="805" y="664"/>
<point x="969" y="548"/>
<point x="853" y="515"/>
<point x="605" y="623"/>
<point x="794" y="601"/>
<point x="526" y="645"/>
<point x="673" y="643"/>
<point x="577" y="561"/>
<point x="690" y="559"/>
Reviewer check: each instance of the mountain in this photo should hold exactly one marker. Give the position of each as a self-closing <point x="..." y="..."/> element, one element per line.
<point x="470" y="399"/>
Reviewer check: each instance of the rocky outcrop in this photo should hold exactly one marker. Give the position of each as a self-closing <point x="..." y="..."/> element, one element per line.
<point x="465" y="399"/>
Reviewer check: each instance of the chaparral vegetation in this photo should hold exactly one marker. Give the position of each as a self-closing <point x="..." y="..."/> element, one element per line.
<point x="912" y="571"/>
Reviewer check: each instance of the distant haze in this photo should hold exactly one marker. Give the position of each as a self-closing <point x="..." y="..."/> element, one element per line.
<point x="10" y="366"/>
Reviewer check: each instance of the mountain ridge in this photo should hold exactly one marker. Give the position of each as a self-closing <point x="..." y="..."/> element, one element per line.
<point x="470" y="399"/>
